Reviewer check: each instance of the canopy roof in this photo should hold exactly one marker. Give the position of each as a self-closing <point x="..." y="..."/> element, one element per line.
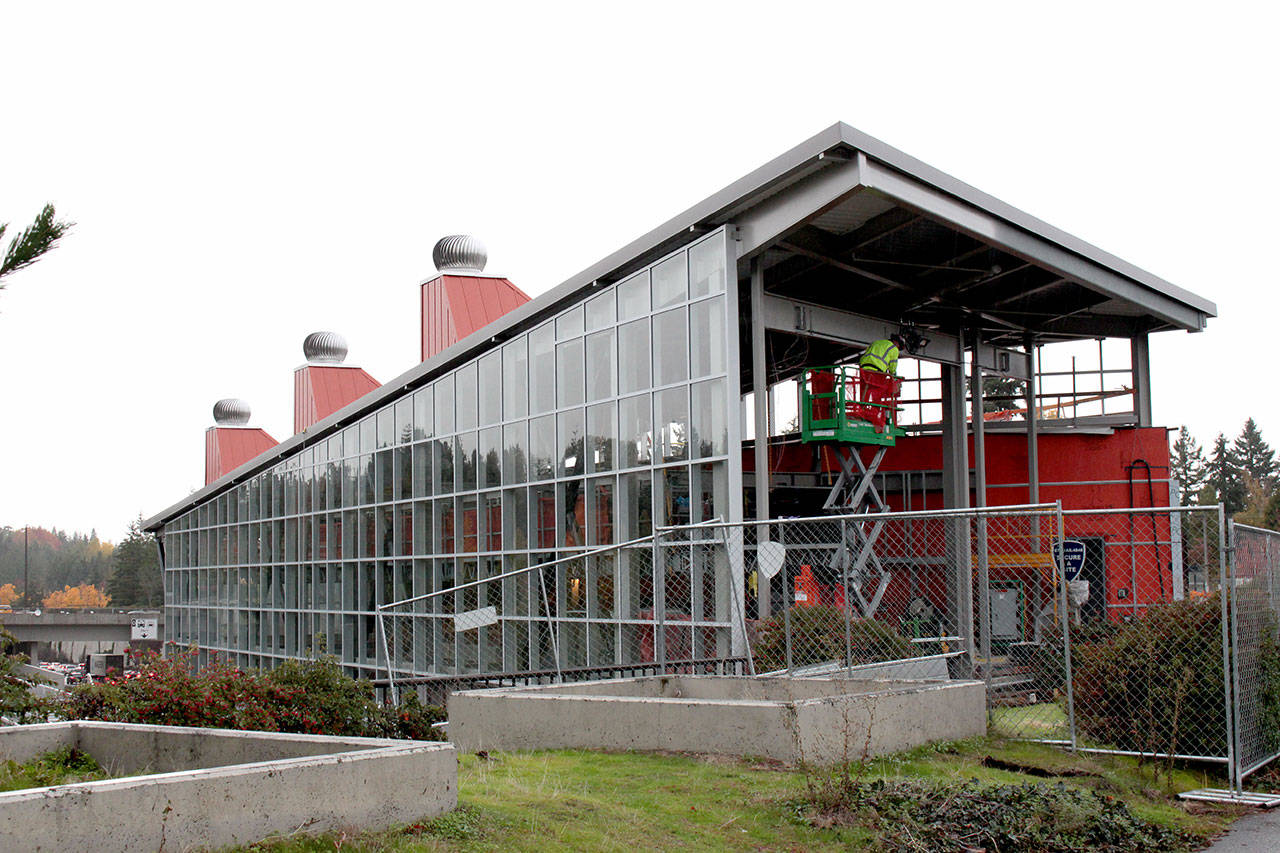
<point x="846" y="221"/>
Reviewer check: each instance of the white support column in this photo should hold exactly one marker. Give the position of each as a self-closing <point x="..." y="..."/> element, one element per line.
<point x="980" y="499"/>
<point x="1140" y="359"/>
<point x="955" y="495"/>
<point x="760" y="391"/>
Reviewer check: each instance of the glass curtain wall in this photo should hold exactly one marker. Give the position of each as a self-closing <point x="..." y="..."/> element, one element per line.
<point x="586" y="430"/>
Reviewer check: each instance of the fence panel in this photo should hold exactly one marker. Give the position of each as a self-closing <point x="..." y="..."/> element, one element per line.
<point x="1133" y="656"/>
<point x="1255" y="613"/>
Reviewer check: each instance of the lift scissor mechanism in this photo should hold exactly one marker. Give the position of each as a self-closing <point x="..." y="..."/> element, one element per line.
<point x="848" y="407"/>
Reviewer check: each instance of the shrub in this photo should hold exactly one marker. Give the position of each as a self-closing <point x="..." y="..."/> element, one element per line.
<point x="307" y="697"/>
<point x="817" y="636"/>
<point x="1156" y="685"/>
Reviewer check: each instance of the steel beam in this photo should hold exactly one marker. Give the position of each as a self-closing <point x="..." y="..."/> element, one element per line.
<point x="805" y="318"/>
<point x="782" y="214"/>
<point x="955" y="495"/>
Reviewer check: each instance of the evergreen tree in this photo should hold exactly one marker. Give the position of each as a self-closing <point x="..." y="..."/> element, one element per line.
<point x="1254" y="456"/>
<point x="1188" y="465"/>
<point x="1225" y="476"/>
<point x="38" y="238"/>
<point x="136" y="581"/>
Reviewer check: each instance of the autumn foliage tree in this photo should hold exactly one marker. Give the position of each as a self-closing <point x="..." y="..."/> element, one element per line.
<point x="84" y="595"/>
<point x="9" y="594"/>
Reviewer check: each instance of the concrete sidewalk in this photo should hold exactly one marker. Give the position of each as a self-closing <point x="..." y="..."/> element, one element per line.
<point x="1253" y="833"/>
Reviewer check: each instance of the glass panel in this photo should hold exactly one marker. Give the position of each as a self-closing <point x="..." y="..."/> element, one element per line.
<point x="571" y="444"/>
<point x="490" y="388"/>
<point x="490" y="457"/>
<point x="601" y="378"/>
<point x="468" y="524"/>
<point x="422" y="485"/>
<point x="404" y="422"/>
<point x="542" y="448"/>
<point x="633" y="356"/>
<point x="515" y="440"/>
<point x="515" y="522"/>
<point x="573" y="512"/>
<point x="423" y="413"/>
<point x="491" y="521"/>
<point x="673" y="504"/>
<point x="465" y="378"/>
<point x="442" y="466"/>
<point x="444" y="532"/>
<point x="706" y="326"/>
<point x="710" y="427"/>
<point x="635" y="431"/>
<point x="602" y="436"/>
<point x="543" y="500"/>
<point x="600" y="311"/>
<point x="465" y="469"/>
<point x="671" y="414"/>
<point x="670" y="347"/>
<point x="368" y="434"/>
<point x="706" y="267"/>
<point x="710" y="491"/>
<point x="542" y="370"/>
<point x="515" y="369"/>
<point x="570" y="370"/>
<point x="670" y="282"/>
<point x="444" y="406"/>
<point x="569" y="324"/>
<point x="600" y="506"/>
<point x="386" y="427"/>
<point x="633" y="296"/>
<point x="635" y="505"/>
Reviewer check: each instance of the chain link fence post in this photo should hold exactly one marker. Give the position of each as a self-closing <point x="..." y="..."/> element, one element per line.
<point x="1225" y="569"/>
<point x="1069" y="678"/>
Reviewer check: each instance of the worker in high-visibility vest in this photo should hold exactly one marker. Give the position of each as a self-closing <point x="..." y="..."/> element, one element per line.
<point x="878" y="365"/>
<point x="882" y="355"/>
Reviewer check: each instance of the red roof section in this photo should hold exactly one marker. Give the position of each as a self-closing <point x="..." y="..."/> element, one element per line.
<point x="320" y="390"/>
<point x="454" y="306"/>
<point x="227" y="448"/>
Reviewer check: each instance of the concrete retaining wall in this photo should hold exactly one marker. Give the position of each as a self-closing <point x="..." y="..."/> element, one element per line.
<point x="816" y="720"/>
<point x="269" y="784"/>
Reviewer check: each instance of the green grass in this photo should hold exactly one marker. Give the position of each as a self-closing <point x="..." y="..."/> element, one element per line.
<point x="1044" y="720"/>
<point x="60" y="767"/>
<point x="562" y="800"/>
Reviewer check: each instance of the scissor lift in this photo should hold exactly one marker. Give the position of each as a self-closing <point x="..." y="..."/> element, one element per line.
<point x="848" y="407"/>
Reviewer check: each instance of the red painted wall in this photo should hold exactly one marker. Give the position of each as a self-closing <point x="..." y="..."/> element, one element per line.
<point x="1084" y="471"/>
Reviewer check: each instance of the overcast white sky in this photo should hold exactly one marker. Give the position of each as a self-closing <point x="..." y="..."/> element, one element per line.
<point x="242" y="174"/>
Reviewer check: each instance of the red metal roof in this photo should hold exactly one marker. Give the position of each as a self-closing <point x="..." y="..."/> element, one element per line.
<point x="454" y="306"/>
<point x="227" y="448"/>
<point x="320" y="390"/>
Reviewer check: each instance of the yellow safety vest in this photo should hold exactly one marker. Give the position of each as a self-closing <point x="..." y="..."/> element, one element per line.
<point x="881" y="356"/>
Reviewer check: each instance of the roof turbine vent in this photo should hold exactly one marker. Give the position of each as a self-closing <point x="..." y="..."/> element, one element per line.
<point x="231" y="412"/>
<point x="325" y="348"/>
<point x="460" y="254"/>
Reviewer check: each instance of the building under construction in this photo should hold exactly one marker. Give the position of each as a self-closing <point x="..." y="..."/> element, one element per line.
<point x="495" y="492"/>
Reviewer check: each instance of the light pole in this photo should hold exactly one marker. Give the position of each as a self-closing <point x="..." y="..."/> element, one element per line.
<point x="26" y="566"/>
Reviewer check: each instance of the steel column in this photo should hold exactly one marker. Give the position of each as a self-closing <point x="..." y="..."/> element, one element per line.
<point x="760" y="391"/>
<point x="978" y="417"/>
<point x="955" y="494"/>
<point x="1140" y="360"/>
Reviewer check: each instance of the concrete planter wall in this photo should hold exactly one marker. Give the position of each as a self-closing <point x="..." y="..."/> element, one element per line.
<point x="817" y="720"/>
<point x="215" y="787"/>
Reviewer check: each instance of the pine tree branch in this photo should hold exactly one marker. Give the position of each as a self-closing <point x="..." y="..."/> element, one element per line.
<point x="41" y="236"/>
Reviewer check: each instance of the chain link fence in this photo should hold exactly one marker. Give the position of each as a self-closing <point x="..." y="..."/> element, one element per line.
<point x="1138" y="631"/>
<point x="1255" y="615"/>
